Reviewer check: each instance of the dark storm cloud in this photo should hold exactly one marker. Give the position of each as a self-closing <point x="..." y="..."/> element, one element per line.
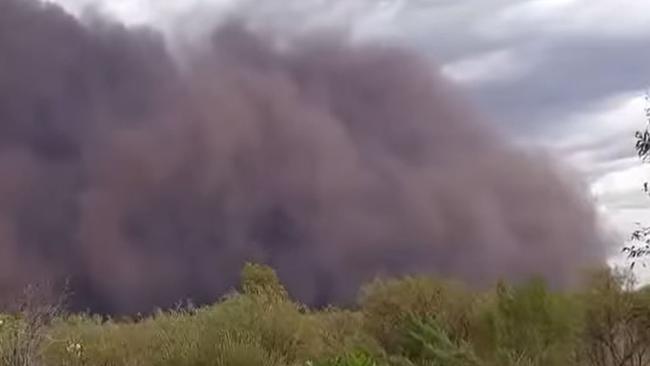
<point x="146" y="182"/>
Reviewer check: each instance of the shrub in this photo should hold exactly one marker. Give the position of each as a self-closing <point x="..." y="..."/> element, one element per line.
<point x="341" y="332"/>
<point x="528" y="324"/>
<point x="414" y="321"/>
<point x="388" y="305"/>
<point x="23" y="333"/>
<point x="262" y="281"/>
<point x="618" y="330"/>
<point x="426" y="342"/>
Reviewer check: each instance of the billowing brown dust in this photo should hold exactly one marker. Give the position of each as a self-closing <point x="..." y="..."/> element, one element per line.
<point x="147" y="183"/>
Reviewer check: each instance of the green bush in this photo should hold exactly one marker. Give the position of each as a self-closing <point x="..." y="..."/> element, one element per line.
<point x="387" y="306"/>
<point x="618" y="330"/>
<point x="426" y="342"/>
<point x="528" y="324"/>
<point x="341" y="332"/>
<point x="262" y="281"/>
<point x="413" y="321"/>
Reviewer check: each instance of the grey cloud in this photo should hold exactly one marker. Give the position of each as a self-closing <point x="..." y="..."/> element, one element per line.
<point x="567" y="77"/>
<point x="566" y="73"/>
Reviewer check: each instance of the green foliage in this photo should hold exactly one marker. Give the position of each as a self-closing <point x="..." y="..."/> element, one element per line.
<point x="12" y="340"/>
<point x="528" y="323"/>
<point x="349" y="359"/>
<point x="618" y="330"/>
<point x="427" y="343"/>
<point x="261" y="280"/>
<point x="414" y="321"/>
<point x="341" y="332"/>
<point x="389" y="305"/>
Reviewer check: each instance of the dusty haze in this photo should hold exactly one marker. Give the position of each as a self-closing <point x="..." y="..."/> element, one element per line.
<point x="146" y="183"/>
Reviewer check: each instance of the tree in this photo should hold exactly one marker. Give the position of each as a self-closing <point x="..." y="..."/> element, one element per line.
<point x="24" y="327"/>
<point x="638" y="245"/>
<point x="617" y="330"/>
<point x="261" y="280"/>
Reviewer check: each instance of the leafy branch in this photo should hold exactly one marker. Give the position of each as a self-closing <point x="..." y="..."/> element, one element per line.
<point x="639" y="240"/>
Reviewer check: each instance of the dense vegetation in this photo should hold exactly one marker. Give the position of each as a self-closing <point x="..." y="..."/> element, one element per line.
<point x="403" y="322"/>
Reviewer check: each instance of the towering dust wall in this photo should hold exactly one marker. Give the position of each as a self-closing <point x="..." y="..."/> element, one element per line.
<point x="145" y="182"/>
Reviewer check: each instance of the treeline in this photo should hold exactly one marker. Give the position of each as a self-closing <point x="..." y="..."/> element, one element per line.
<point x="412" y="321"/>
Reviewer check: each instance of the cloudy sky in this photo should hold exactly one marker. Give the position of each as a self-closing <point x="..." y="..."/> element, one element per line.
<point x="567" y="74"/>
